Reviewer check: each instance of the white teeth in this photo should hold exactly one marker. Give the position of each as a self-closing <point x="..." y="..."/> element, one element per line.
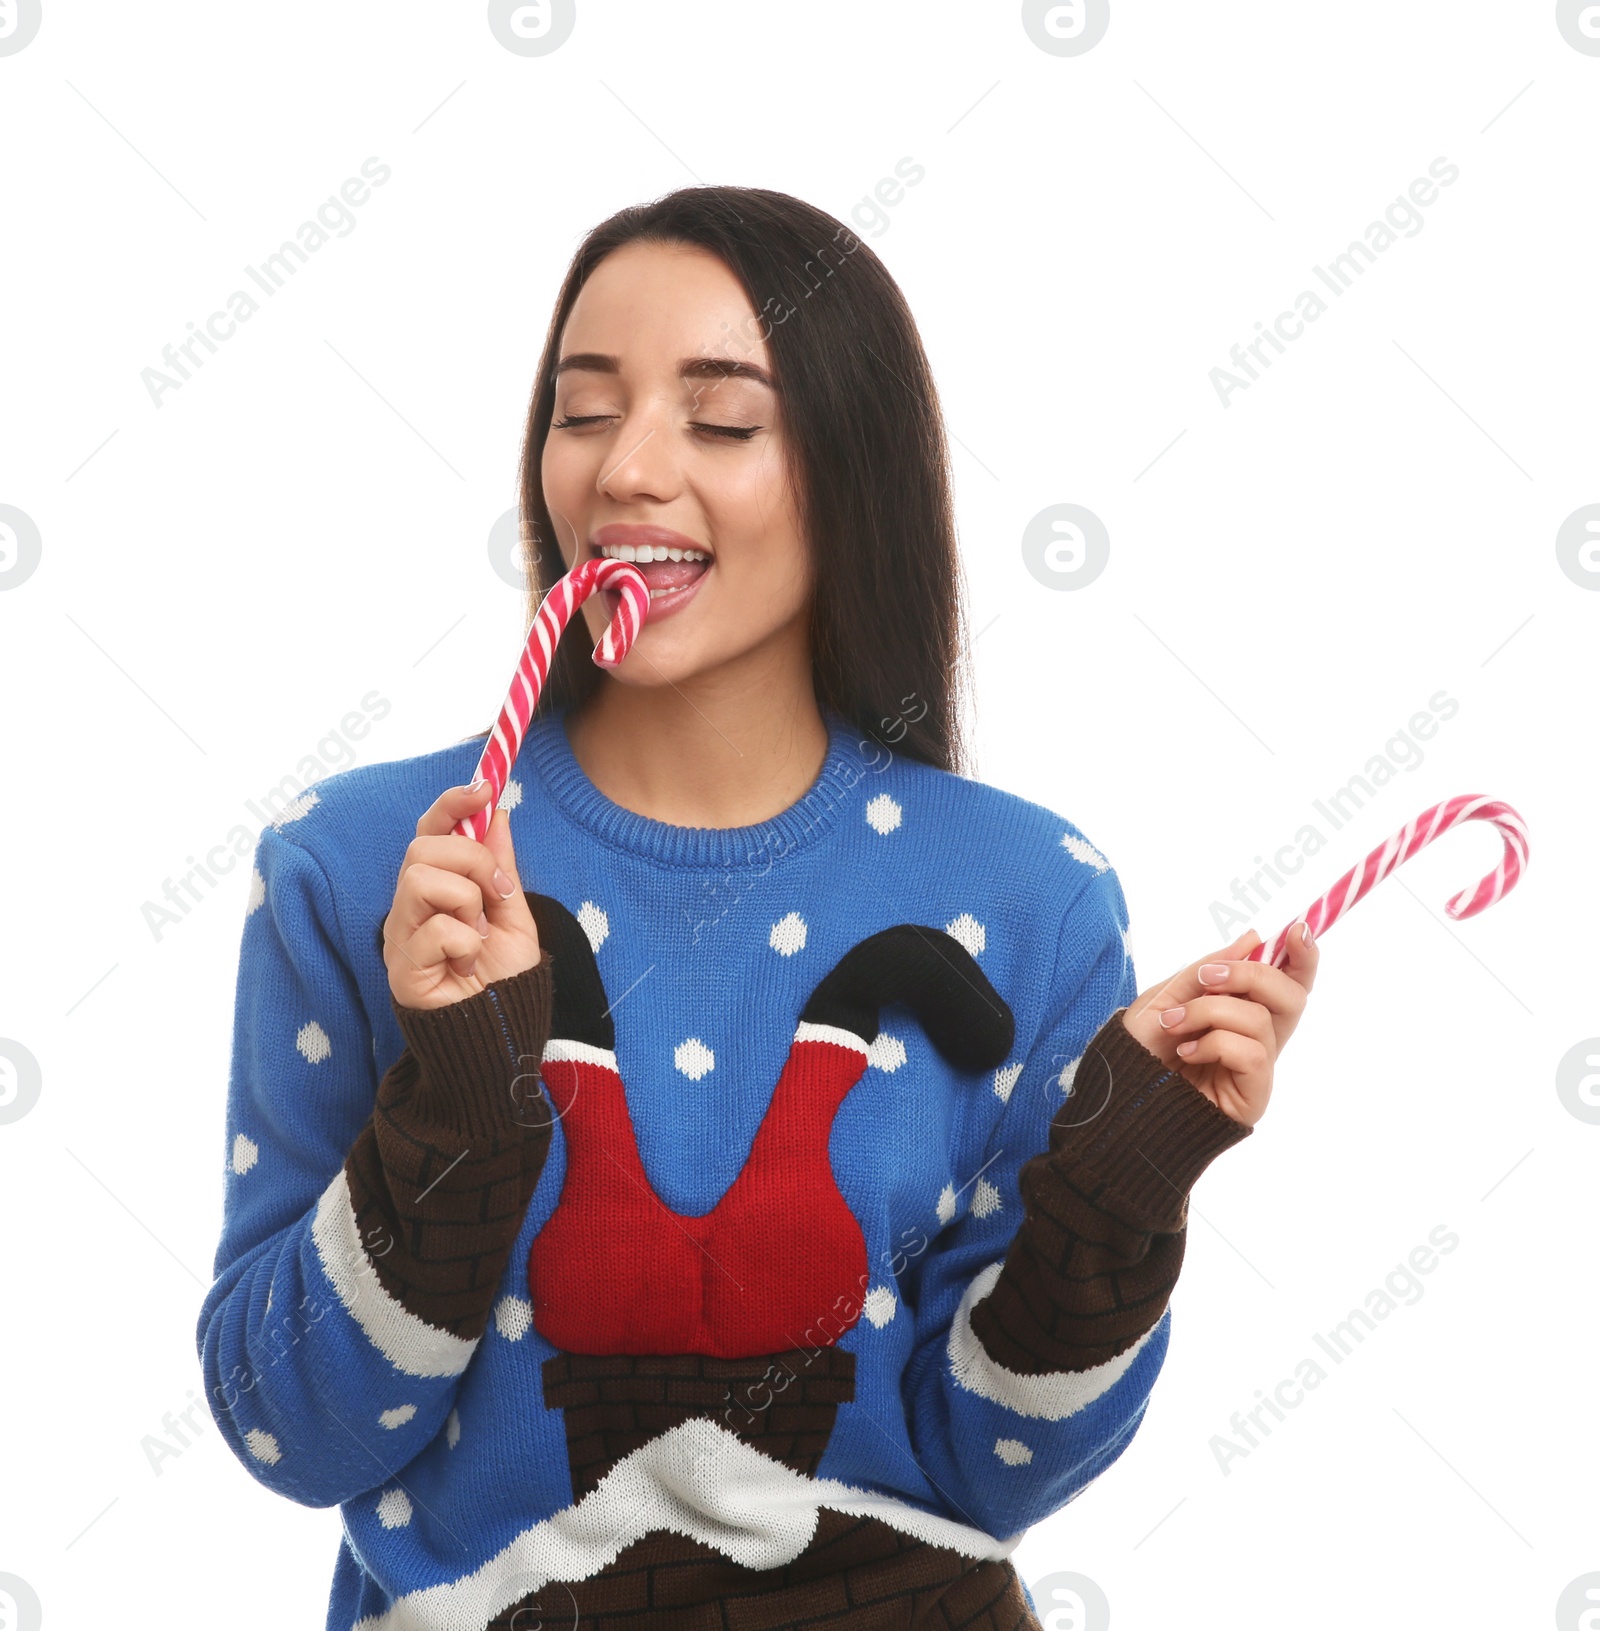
<point x="652" y="552"/>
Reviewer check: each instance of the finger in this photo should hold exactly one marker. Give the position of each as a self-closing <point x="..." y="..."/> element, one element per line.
<point x="425" y="891"/>
<point x="1273" y="987"/>
<point x="445" y="939"/>
<point x="1186" y="983"/>
<point x="451" y="805"/>
<point x="1249" y="1061"/>
<point x="505" y="883"/>
<point x="1252" y="1019"/>
<point x="455" y="852"/>
<point x="1304" y="953"/>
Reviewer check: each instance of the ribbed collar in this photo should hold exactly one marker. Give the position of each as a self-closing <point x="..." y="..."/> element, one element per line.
<point x="547" y="751"/>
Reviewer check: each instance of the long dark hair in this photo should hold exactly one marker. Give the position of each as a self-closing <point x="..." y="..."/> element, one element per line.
<point x="871" y="465"/>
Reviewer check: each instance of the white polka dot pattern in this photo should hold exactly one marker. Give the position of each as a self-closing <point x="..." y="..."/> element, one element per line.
<point x="1005" y="1078"/>
<point x="883" y="814"/>
<point x="513" y="1318"/>
<point x="263" y="1446"/>
<point x="886" y="1052"/>
<point x="313" y="1042"/>
<point x="1080" y="849"/>
<point x="879" y="1305"/>
<point x="694" y="1058"/>
<point x="594" y="923"/>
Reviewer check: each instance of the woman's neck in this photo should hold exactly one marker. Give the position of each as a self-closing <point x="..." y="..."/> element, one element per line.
<point x="700" y="755"/>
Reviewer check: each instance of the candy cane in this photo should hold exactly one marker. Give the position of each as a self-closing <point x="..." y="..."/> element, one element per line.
<point x="569" y="593"/>
<point x="1421" y="830"/>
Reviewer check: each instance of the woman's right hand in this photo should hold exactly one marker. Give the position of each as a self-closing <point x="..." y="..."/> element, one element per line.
<point x="452" y="889"/>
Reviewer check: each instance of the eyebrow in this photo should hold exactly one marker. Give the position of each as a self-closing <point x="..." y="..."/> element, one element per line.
<point x="598" y="362"/>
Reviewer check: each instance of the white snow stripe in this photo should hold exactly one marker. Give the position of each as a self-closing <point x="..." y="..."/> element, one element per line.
<point x="697" y="1479"/>
<point x="409" y="1344"/>
<point x="1051" y="1397"/>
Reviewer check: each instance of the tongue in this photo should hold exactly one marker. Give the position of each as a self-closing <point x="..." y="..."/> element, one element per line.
<point x="671" y="574"/>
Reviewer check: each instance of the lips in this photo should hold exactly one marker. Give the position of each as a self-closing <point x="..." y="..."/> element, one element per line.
<point x="667" y="578"/>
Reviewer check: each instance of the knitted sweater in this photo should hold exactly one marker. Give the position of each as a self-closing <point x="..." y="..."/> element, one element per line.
<point x="776" y="1251"/>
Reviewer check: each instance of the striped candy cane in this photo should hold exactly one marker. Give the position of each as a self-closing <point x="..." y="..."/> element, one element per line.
<point x="1421" y="830"/>
<point x="570" y="592"/>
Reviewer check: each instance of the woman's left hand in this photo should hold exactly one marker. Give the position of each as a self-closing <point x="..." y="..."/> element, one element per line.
<point x="1223" y="1033"/>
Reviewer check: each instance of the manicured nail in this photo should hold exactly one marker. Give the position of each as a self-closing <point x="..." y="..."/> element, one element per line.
<point x="1305" y="933"/>
<point x="483" y="926"/>
<point x="1186" y="1048"/>
<point x="503" y="884"/>
<point x="1171" y="1016"/>
<point x="474" y="787"/>
<point x="1213" y="973"/>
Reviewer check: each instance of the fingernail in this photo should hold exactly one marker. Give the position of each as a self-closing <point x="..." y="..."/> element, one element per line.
<point x="1171" y="1016"/>
<point x="1213" y="973"/>
<point x="473" y="787"/>
<point x="483" y="926"/>
<point x="1305" y="933"/>
<point x="503" y="884"/>
<point x="1186" y="1048"/>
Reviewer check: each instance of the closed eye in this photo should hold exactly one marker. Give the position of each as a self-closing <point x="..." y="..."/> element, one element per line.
<point x="741" y="433"/>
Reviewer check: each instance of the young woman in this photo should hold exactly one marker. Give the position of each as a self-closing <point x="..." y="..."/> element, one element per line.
<point x="746" y="1188"/>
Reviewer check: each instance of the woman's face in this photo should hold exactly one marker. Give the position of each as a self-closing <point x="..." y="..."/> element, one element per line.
<point x="659" y="441"/>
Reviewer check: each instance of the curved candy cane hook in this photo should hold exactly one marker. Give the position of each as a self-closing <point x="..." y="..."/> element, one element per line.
<point x="569" y="593"/>
<point x="1416" y="833"/>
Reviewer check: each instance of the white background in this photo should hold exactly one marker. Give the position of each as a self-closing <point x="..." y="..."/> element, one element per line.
<point x="225" y="576"/>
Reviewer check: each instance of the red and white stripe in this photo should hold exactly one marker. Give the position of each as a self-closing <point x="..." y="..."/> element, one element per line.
<point x="1416" y="833"/>
<point x="557" y="607"/>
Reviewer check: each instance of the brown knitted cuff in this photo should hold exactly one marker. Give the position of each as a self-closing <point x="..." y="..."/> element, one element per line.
<point x="441" y="1176"/>
<point x="477" y="1055"/>
<point x="1094" y="1262"/>
<point x="1140" y="1127"/>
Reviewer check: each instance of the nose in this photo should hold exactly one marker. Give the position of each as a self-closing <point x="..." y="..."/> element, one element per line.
<point x="641" y="462"/>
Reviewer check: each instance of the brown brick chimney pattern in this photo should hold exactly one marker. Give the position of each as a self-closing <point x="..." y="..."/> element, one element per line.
<point x="441" y="1175"/>
<point x="1093" y="1264"/>
<point x="858" y="1574"/>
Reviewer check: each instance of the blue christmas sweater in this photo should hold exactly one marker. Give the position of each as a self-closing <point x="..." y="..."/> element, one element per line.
<point x="776" y="1251"/>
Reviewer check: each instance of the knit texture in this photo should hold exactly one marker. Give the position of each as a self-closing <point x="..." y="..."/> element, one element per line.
<point x="794" y="1235"/>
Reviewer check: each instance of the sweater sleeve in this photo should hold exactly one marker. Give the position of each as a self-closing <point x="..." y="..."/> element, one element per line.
<point x="366" y="1224"/>
<point x="1041" y="1313"/>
